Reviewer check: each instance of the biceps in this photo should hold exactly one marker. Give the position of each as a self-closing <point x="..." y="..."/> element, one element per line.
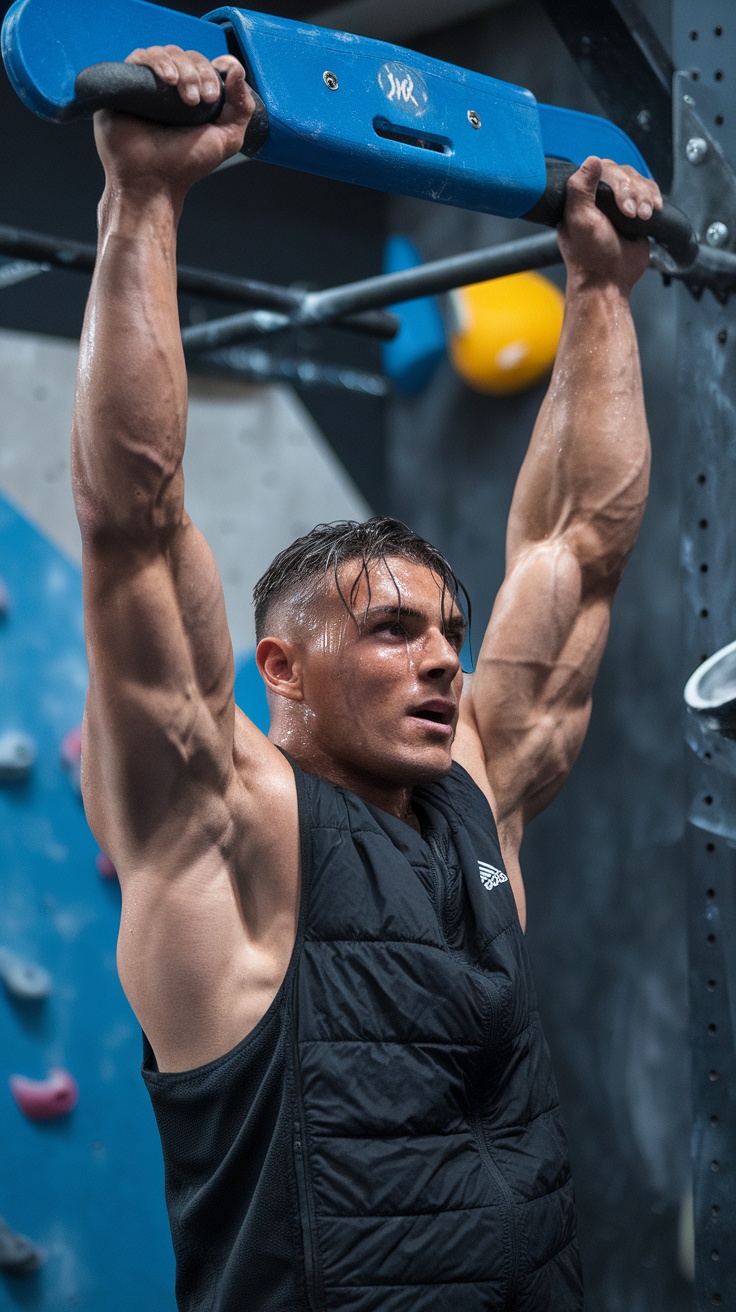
<point x="534" y="680"/>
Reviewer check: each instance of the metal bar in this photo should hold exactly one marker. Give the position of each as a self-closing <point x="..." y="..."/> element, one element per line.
<point x="430" y="279"/>
<point x="15" y="271"/>
<point x="388" y="289"/>
<point x="61" y="253"/>
<point x="259" y="366"/>
<point x="622" y="60"/>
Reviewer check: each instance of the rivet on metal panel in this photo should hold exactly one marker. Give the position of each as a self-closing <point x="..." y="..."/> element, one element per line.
<point x="330" y="80"/>
<point x="473" y="119"/>
<point x="717" y="234"/>
<point x="696" y="150"/>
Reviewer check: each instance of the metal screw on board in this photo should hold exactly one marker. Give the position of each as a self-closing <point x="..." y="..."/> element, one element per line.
<point x="473" y="119"/>
<point x="696" y="150"/>
<point x="717" y="234"/>
<point x="330" y="80"/>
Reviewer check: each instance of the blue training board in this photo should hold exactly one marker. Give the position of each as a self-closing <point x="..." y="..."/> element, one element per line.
<point x="339" y="105"/>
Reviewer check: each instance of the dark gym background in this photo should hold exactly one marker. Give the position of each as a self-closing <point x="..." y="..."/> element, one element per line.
<point x="605" y="866"/>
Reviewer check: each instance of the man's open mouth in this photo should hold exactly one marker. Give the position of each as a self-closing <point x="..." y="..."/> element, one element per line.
<point x="436" y="711"/>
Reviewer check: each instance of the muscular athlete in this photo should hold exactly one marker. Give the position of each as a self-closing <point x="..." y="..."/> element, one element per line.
<point x="208" y="821"/>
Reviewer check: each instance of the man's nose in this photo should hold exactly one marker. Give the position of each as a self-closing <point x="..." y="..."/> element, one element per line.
<point x="441" y="661"/>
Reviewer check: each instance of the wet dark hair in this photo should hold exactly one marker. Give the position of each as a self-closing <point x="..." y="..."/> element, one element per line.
<point x="328" y="546"/>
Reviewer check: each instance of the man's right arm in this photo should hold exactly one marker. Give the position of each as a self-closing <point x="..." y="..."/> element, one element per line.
<point x="201" y="948"/>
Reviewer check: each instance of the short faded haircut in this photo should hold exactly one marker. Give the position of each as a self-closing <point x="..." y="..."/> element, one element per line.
<point x="329" y="546"/>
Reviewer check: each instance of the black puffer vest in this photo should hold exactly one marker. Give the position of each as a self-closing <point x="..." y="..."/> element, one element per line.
<point x="388" y="1138"/>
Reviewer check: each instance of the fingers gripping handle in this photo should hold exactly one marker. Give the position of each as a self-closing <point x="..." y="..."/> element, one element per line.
<point x="136" y="89"/>
<point x="668" y="226"/>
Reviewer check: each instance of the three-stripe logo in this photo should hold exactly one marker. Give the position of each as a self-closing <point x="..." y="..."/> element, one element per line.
<point x="491" y="876"/>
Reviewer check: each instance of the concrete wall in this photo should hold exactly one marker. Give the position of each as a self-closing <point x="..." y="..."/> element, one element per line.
<point x="258" y="471"/>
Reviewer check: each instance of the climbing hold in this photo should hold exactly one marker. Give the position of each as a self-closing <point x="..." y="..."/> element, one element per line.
<point x="508" y="331"/>
<point x="41" y="1100"/>
<point x="17" y="1253"/>
<point x="105" y="866"/>
<point x="17" y="754"/>
<point x="71" y="757"/>
<point x="23" y="979"/>
<point x="411" y="359"/>
<point x="4" y="600"/>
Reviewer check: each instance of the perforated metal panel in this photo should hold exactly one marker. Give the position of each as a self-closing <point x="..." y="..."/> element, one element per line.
<point x="705" y="48"/>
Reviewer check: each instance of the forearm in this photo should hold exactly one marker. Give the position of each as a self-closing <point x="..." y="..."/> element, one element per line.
<point x="130" y="408"/>
<point x="585" y="476"/>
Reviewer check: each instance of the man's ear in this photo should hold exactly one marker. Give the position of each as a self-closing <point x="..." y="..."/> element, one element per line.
<point x="281" y="668"/>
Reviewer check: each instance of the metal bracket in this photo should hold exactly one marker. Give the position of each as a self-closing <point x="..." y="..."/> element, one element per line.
<point x="704" y="186"/>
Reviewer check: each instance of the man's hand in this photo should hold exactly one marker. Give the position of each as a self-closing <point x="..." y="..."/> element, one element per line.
<point x="145" y="158"/>
<point x="595" y="254"/>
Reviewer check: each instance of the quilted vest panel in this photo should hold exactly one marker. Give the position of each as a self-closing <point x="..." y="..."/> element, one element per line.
<point x="431" y="1160"/>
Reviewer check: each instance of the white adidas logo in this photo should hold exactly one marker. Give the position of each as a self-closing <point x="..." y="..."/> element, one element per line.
<point x="490" y="877"/>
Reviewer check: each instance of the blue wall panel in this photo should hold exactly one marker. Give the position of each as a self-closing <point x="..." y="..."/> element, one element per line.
<point x="87" y="1187"/>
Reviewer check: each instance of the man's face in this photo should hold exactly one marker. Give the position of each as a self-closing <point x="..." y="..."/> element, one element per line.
<point x="382" y="682"/>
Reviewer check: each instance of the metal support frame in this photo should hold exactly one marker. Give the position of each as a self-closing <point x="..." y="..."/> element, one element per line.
<point x="705" y="185"/>
<point x="625" y="64"/>
<point x="35" y="252"/>
<point x="327" y="307"/>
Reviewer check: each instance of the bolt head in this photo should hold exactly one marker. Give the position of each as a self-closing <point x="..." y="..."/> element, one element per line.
<point x="717" y="234"/>
<point x="473" y="118"/>
<point x="696" y="150"/>
<point x="644" y="120"/>
<point x="330" y="80"/>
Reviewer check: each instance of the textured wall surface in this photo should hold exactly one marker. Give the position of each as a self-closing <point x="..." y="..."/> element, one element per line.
<point x="258" y="470"/>
<point x="604" y="866"/>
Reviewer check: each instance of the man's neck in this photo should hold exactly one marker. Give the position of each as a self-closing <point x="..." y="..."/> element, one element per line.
<point x="393" y="798"/>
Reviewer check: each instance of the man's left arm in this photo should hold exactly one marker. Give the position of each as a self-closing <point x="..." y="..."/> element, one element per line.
<point x="574" y="519"/>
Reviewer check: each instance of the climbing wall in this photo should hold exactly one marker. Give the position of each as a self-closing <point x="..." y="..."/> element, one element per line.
<point x="84" y="1186"/>
<point x="81" y="1189"/>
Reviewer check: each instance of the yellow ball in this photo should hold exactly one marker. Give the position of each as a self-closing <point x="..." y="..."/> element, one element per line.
<point x="508" y="334"/>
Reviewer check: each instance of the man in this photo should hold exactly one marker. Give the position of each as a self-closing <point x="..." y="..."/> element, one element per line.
<point x="321" y="931"/>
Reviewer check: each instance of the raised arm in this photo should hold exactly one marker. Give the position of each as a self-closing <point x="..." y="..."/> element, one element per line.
<point x="167" y="760"/>
<point x="574" y="519"/>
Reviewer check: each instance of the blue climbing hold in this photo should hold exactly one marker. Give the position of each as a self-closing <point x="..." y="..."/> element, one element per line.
<point x="23" y="979"/>
<point x="411" y="359"/>
<point x="17" y="755"/>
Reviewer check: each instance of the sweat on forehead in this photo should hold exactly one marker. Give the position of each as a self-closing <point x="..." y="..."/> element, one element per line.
<point x="302" y="572"/>
<point x="358" y="590"/>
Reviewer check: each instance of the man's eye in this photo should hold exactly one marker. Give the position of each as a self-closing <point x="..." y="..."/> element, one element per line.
<point x="393" y="628"/>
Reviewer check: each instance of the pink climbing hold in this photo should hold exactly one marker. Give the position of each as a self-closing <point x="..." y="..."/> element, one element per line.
<point x="71" y="747"/>
<point x="105" y="866"/>
<point x="41" y="1100"/>
<point x="71" y="757"/>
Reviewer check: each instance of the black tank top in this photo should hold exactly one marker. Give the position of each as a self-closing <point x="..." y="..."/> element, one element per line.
<point x="388" y="1137"/>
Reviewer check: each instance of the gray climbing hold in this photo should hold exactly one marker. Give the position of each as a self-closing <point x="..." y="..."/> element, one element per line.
<point x="17" y="1253"/>
<point x="17" y="754"/>
<point x="23" y="979"/>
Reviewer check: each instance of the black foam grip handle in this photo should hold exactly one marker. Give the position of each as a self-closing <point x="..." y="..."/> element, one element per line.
<point x="668" y="226"/>
<point x="136" y="89"/>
